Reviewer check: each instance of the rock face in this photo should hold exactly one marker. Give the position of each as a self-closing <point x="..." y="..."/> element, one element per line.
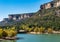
<point x="57" y="13"/>
<point x="17" y="17"/>
<point x="54" y="3"/>
<point x="20" y="16"/>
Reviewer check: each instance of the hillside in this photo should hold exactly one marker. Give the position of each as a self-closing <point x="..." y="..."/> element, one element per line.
<point x="48" y="18"/>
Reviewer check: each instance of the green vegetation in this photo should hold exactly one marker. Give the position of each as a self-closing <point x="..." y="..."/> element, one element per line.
<point x="45" y="20"/>
<point x="9" y="32"/>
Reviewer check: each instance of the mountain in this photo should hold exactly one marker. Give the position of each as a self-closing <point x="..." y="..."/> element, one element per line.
<point x="46" y="18"/>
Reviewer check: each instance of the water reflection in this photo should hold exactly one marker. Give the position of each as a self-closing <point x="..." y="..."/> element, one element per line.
<point x="7" y="40"/>
<point x="21" y="38"/>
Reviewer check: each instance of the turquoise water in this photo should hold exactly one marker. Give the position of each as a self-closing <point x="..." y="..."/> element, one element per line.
<point x="36" y="38"/>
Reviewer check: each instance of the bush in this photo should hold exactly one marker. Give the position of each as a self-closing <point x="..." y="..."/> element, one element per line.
<point x="4" y="34"/>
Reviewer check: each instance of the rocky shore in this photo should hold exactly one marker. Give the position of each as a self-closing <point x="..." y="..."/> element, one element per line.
<point x="9" y="38"/>
<point x="53" y="32"/>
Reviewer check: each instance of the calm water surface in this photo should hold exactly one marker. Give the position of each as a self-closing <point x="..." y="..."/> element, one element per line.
<point x="36" y="38"/>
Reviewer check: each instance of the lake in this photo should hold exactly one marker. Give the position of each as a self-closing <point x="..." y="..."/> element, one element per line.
<point x="36" y="38"/>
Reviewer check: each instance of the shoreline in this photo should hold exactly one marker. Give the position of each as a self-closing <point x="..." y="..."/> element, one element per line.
<point x="54" y="32"/>
<point x="45" y="32"/>
<point x="10" y="38"/>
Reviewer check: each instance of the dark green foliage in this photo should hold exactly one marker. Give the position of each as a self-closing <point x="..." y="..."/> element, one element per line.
<point x="46" y="19"/>
<point x="4" y="34"/>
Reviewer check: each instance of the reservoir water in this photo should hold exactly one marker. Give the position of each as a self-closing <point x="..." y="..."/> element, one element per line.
<point x="36" y="38"/>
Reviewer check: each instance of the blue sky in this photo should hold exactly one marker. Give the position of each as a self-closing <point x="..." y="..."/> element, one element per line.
<point x="19" y="6"/>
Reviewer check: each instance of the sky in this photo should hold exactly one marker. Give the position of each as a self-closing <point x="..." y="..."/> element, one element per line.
<point x="19" y="6"/>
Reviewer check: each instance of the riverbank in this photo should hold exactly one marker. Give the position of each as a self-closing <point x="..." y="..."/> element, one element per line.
<point x="40" y="31"/>
<point x="53" y="32"/>
<point x="10" y="38"/>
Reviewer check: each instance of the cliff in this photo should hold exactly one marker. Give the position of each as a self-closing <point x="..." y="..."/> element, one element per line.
<point x="54" y="3"/>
